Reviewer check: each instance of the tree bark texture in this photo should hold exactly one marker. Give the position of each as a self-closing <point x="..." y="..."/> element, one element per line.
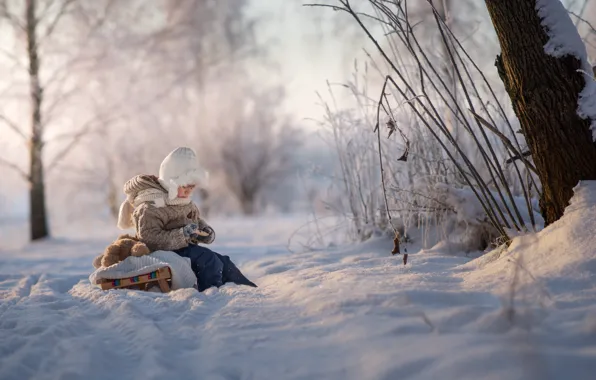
<point x="38" y="216"/>
<point x="544" y="92"/>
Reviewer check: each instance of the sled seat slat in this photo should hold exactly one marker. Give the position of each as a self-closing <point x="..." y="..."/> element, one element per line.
<point x="160" y="276"/>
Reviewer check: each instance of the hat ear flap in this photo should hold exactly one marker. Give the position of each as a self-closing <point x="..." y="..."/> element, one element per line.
<point x="125" y="216"/>
<point x="172" y="190"/>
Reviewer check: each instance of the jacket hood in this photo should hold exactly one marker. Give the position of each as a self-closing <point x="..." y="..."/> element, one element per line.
<point x="139" y="183"/>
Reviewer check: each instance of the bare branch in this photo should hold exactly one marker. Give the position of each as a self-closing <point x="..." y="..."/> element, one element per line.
<point x="505" y="140"/>
<point x="12" y="125"/>
<point x="75" y="140"/>
<point x="515" y="158"/>
<point x="15" y="167"/>
<point x="395" y="249"/>
<point x="334" y="7"/>
<point x="61" y="12"/>
<point x="11" y="18"/>
<point x="579" y="18"/>
<point x="13" y="58"/>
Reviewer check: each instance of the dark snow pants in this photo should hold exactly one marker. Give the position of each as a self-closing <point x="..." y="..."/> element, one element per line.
<point x="211" y="268"/>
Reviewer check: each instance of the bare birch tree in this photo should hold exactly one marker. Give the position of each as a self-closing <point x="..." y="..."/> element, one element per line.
<point x="36" y="22"/>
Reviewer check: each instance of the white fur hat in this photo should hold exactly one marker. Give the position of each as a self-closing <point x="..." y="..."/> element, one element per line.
<point x="181" y="167"/>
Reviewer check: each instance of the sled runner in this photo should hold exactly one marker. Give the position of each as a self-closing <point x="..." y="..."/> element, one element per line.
<point x="160" y="277"/>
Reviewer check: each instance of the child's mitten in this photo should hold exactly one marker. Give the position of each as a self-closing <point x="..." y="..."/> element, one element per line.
<point x="189" y="230"/>
<point x="206" y="236"/>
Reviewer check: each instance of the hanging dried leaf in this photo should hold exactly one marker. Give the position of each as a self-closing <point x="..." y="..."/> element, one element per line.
<point x="391" y="126"/>
<point x="404" y="157"/>
<point x="395" y="244"/>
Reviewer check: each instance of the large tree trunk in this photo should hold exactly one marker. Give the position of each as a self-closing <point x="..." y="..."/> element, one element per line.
<point x="38" y="217"/>
<point x="544" y="93"/>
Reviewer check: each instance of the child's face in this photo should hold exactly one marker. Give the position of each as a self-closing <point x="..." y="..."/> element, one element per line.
<point x="185" y="191"/>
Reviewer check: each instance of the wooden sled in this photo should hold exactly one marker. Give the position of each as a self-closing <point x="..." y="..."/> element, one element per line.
<point x="162" y="277"/>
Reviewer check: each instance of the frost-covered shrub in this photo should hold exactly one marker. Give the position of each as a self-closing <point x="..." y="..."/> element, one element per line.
<point x="452" y="160"/>
<point x="356" y="178"/>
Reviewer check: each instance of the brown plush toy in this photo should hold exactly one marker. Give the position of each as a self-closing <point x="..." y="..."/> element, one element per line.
<point x="119" y="250"/>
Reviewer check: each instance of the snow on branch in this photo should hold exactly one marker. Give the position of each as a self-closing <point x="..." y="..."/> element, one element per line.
<point x="564" y="39"/>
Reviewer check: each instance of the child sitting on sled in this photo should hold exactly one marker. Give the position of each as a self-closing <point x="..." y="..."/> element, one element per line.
<point x="165" y="218"/>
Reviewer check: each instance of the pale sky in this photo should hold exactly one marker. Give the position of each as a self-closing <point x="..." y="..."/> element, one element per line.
<point x="307" y="50"/>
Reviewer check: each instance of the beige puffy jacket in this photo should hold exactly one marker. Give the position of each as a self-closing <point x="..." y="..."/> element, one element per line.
<point x="159" y="222"/>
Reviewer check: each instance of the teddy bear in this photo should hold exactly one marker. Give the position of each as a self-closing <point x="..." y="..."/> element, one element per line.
<point x="123" y="247"/>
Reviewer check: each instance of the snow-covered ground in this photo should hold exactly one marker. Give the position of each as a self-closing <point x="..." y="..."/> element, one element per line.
<point x="342" y="313"/>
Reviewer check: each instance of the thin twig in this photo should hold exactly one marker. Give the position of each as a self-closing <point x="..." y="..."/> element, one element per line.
<point x="15" y="167"/>
<point x="505" y="141"/>
<point x="52" y="24"/>
<point x="580" y="18"/>
<point x="334" y="7"/>
<point x="14" y="127"/>
<point x="378" y="130"/>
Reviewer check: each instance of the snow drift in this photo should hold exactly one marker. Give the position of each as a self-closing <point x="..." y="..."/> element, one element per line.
<point x="564" y="249"/>
<point x="528" y="312"/>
